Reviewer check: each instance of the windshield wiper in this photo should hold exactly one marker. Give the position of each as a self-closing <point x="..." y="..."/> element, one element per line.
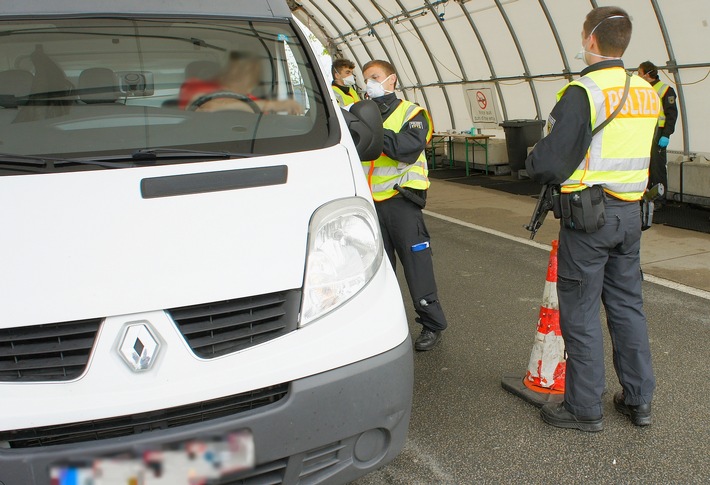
<point x="51" y="162"/>
<point x="177" y="153"/>
<point x="145" y="156"/>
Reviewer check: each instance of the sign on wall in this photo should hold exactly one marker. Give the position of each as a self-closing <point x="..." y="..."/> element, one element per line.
<point x="482" y="105"/>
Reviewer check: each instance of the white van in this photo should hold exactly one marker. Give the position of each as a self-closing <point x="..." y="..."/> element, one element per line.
<point x="192" y="278"/>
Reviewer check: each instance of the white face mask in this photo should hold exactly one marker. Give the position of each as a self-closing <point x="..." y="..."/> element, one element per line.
<point x="349" y="81"/>
<point x="376" y="89"/>
<point x="580" y="55"/>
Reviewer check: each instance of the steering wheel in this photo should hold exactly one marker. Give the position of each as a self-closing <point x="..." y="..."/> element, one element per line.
<point x="223" y="94"/>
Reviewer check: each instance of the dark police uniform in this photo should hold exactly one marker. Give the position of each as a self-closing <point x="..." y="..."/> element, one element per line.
<point x="666" y="127"/>
<point x="604" y="264"/>
<point x="407" y="131"/>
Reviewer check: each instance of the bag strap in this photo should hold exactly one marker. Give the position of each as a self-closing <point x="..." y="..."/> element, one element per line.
<point x="618" y="108"/>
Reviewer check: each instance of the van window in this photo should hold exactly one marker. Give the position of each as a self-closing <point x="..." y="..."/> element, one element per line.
<point x="119" y="89"/>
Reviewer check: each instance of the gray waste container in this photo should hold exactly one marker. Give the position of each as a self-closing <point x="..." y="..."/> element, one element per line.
<point x="519" y="135"/>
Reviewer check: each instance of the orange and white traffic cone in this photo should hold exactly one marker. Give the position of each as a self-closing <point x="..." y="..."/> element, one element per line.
<point x="544" y="381"/>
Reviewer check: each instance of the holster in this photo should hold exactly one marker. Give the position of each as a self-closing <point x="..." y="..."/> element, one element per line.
<point x="646" y="213"/>
<point x="584" y="210"/>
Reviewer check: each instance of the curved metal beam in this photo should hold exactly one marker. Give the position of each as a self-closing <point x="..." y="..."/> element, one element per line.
<point x="673" y="69"/>
<point x="522" y="57"/>
<point x="372" y="30"/>
<point x="406" y="52"/>
<point x="433" y="64"/>
<point x="492" y="69"/>
<point x="560" y="47"/>
<point x="334" y="28"/>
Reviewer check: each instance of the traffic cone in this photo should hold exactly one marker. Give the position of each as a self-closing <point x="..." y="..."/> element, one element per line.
<point x="544" y="381"/>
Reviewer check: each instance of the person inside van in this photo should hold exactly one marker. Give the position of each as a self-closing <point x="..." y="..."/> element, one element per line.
<point x="231" y="89"/>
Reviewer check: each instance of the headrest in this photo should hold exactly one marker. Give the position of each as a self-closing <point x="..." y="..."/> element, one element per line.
<point x="202" y="70"/>
<point x="16" y="82"/>
<point x="98" y="85"/>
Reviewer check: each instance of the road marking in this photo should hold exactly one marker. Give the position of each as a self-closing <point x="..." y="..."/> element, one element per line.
<point x="647" y="277"/>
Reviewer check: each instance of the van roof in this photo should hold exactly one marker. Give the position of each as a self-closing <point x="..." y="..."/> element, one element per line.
<point x="231" y="8"/>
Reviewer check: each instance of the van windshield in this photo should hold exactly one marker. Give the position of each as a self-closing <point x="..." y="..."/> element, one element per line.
<point x="108" y="88"/>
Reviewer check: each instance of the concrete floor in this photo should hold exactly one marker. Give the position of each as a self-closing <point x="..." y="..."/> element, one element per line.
<point x="669" y="253"/>
<point x="466" y="429"/>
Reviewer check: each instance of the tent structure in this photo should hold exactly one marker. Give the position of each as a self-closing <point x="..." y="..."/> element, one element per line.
<point x="456" y="57"/>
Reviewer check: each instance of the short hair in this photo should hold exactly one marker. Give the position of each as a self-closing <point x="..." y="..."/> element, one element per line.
<point x="649" y="68"/>
<point x="338" y="64"/>
<point x="612" y="28"/>
<point x="384" y="65"/>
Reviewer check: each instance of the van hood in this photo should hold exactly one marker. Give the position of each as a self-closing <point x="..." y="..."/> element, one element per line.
<point x="90" y="244"/>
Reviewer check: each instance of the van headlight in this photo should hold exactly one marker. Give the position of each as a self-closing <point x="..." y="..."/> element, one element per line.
<point x="344" y="252"/>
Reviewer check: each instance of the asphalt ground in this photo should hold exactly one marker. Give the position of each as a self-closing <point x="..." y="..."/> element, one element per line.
<point x="465" y="428"/>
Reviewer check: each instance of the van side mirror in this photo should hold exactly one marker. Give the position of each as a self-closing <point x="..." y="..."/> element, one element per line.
<point x="365" y="125"/>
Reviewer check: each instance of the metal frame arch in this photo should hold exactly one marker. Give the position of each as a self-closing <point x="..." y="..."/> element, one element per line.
<point x="556" y="34"/>
<point x="406" y="51"/>
<point x="511" y="30"/>
<point x="484" y="49"/>
<point x="448" y="38"/>
<point x="352" y="51"/>
<point x="433" y="65"/>
<point x="673" y="69"/>
<point x="372" y="29"/>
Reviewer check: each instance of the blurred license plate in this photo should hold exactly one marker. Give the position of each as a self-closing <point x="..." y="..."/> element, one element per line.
<point x="191" y="463"/>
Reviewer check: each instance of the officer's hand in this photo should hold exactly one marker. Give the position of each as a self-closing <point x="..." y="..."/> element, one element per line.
<point x="663" y="142"/>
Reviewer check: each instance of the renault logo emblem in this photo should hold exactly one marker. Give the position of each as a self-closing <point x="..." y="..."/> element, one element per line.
<point x="139" y="347"/>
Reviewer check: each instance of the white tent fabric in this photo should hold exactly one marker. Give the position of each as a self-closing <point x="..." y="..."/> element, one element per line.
<point x="523" y="49"/>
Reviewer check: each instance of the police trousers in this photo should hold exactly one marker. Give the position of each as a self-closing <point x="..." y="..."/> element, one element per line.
<point x="604" y="267"/>
<point x="405" y="236"/>
<point x="658" y="171"/>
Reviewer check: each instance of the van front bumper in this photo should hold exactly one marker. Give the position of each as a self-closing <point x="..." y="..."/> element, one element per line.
<point x="334" y="427"/>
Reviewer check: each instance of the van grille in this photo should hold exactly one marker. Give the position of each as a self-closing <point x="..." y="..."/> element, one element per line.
<point x="50" y="352"/>
<point x="220" y="328"/>
<point x="144" y="422"/>
<point x="313" y="466"/>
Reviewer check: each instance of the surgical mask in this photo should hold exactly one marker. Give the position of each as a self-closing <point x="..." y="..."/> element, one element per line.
<point x="349" y="81"/>
<point x="376" y="89"/>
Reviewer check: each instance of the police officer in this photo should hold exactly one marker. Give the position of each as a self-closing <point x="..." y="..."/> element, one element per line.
<point x="599" y="245"/>
<point x="344" y="82"/>
<point x="666" y="125"/>
<point x="407" y="130"/>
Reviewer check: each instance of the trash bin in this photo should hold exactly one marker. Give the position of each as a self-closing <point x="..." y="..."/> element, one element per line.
<point x="519" y="135"/>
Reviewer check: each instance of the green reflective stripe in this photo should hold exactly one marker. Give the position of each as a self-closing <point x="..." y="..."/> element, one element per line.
<point x="661" y="89"/>
<point x="388" y="172"/>
<point x="617" y="164"/>
<point x="413" y="176"/>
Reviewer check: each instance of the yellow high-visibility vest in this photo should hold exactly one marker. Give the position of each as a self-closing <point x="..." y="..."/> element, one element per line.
<point x="385" y="172"/>
<point x="346" y="99"/>
<point x="661" y="89"/>
<point x="619" y="155"/>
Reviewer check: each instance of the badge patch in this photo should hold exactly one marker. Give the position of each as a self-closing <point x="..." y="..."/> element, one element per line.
<point x="550" y="124"/>
<point x="671" y="99"/>
<point x="417" y="125"/>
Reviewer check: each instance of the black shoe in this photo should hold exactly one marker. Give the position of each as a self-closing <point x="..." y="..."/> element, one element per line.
<point x="640" y="414"/>
<point x="557" y="415"/>
<point x="427" y="339"/>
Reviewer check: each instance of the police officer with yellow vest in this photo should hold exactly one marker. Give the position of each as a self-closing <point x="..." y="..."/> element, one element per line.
<point x="601" y="178"/>
<point x="666" y="124"/>
<point x="399" y="181"/>
<point x="344" y="82"/>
